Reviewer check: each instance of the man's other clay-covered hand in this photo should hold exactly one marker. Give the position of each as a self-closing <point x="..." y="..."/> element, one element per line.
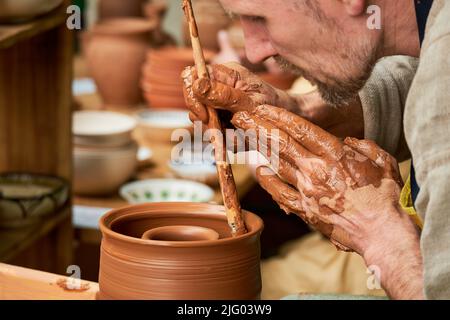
<point x="235" y="88"/>
<point x="232" y="87"/>
<point x="349" y="190"/>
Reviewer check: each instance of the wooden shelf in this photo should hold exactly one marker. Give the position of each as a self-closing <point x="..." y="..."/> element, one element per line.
<point x="54" y="236"/>
<point x="35" y="130"/>
<point x="12" y="33"/>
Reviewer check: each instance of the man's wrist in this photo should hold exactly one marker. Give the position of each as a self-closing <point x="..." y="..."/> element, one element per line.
<point x="396" y="255"/>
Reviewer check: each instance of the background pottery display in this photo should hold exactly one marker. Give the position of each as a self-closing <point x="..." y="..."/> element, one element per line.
<point x="194" y="164"/>
<point x="158" y="125"/>
<point x="101" y="171"/>
<point x="135" y="268"/>
<point x="156" y="10"/>
<point x="27" y="198"/>
<point x="211" y="18"/>
<point x="104" y="155"/>
<point x="115" y="51"/>
<point x="22" y="10"/>
<point x="161" y="76"/>
<point x="102" y="128"/>
<point x="119" y="8"/>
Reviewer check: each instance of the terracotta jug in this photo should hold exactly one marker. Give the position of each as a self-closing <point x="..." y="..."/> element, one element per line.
<point x="172" y="265"/>
<point x="115" y="51"/>
<point x="120" y="8"/>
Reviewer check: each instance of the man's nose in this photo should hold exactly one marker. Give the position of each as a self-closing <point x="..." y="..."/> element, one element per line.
<point x="257" y="44"/>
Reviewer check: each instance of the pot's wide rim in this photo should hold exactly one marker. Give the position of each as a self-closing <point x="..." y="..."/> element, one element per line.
<point x="173" y="208"/>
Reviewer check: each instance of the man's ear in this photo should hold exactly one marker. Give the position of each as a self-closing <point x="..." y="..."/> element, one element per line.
<point x="354" y="7"/>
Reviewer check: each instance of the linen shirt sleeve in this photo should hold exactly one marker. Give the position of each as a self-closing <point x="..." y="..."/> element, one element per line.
<point x="383" y="99"/>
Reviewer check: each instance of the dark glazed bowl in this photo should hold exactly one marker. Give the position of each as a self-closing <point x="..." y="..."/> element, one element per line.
<point x="135" y="268"/>
<point x="27" y="198"/>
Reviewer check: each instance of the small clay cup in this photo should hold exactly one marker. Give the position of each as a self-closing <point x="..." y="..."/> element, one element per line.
<point x="134" y="268"/>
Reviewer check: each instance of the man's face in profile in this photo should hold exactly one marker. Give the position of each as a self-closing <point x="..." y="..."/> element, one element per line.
<point x="316" y="39"/>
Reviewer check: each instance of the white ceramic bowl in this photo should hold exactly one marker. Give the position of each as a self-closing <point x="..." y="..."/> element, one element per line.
<point x="197" y="165"/>
<point x="158" y="125"/>
<point x="166" y="190"/>
<point x="101" y="171"/>
<point x="202" y="172"/>
<point x="22" y="10"/>
<point x="102" y="128"/>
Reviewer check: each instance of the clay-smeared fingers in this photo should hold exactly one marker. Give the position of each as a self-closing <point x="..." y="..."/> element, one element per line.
<point x="235" y="75"/>
<point x="287" y="171"/>
<point x="189" y="75"/>
<point x="310" y="136"/>
<point x="380" y="157"/>
<point x="218" y="95"/>
<point x="289" y="199"/>
<point x="367" y="148"/>
<point x="193" y="117"/>
<point x="228" y="74"/>
<point x="270" y="139"/>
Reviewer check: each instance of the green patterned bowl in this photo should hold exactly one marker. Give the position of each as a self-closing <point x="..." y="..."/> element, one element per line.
<point x="166" y="190"/>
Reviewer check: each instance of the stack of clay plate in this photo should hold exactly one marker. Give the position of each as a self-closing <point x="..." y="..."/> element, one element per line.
<point x="161" y="77"/>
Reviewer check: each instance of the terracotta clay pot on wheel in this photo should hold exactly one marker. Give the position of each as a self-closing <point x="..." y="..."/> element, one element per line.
<point x="182" y="260"/>
<point x="115" y="52"/>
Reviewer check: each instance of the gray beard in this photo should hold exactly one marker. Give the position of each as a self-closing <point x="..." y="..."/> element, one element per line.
<point x="337" y="93"/>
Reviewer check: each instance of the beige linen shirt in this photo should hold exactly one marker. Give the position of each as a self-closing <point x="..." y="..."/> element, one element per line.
<point x="426" y="119"/>
<point x="427" y="132"/>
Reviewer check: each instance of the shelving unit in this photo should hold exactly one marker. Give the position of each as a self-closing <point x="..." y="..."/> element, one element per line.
<point x="35" y="130"/>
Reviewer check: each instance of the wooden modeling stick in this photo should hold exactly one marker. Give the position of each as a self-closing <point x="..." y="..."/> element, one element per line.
<point x="226" y="179"/>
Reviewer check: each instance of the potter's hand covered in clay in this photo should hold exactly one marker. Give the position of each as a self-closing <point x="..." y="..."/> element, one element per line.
<point x="232" y="87"/>
<point x="349" y="189"/>
<point x="235" y="88"/>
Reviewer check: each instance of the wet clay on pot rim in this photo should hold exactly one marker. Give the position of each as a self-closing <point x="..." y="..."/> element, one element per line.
<point x="135" y="268"/>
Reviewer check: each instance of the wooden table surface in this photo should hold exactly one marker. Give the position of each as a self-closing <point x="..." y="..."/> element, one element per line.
<point x="26" y="284"/>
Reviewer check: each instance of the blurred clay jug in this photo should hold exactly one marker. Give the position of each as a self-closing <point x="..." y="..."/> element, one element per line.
<point x="120" y="8"/>
<point x="115" y="51"/>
